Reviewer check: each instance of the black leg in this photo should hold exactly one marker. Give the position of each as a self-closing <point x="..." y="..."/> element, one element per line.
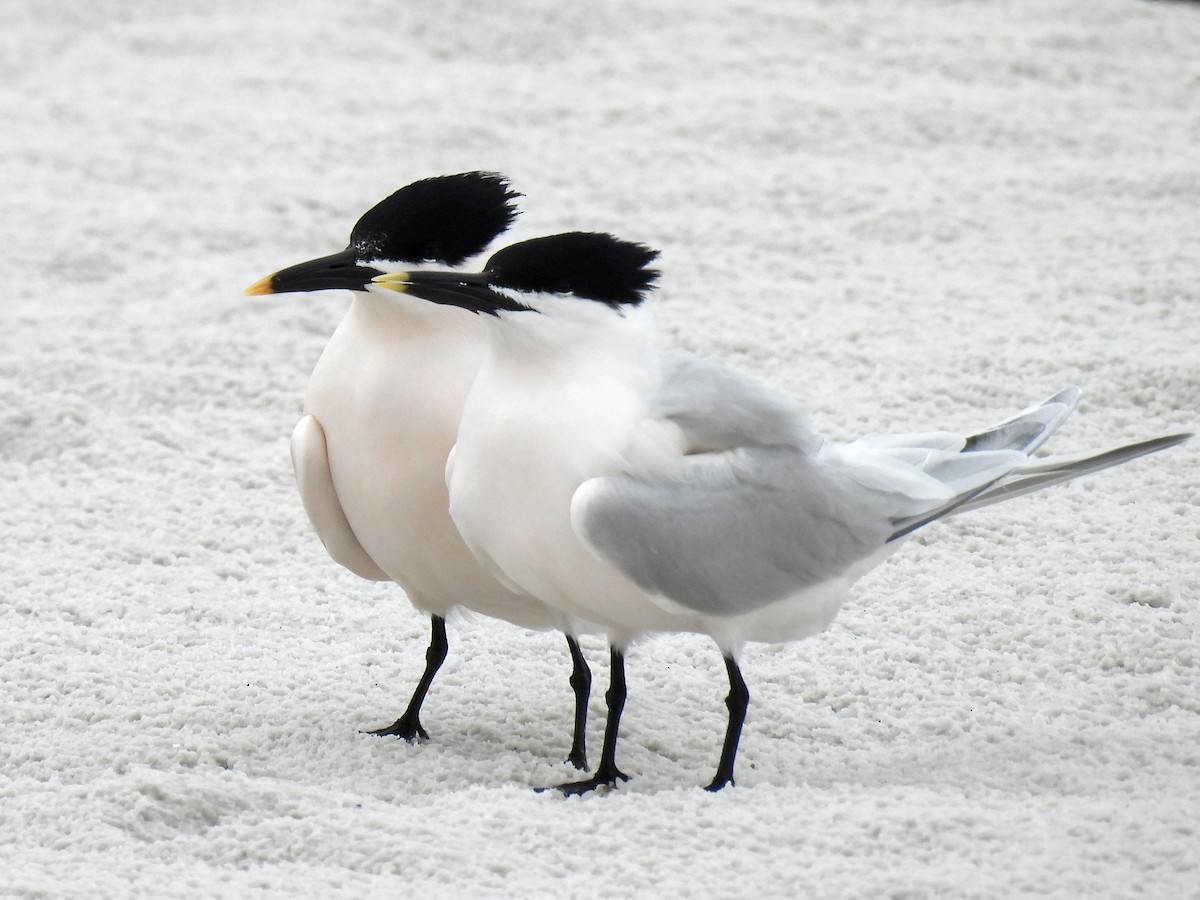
<point x="607" y="774"/>
<point x="408" y="726"/>
<point x="581" y="683"/>
<point x="737" y="701"/>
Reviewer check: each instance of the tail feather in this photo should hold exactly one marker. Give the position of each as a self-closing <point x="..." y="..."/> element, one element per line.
<point x="970" y="464"/>
<point x="995" y="465"/>
<point x="1028" y="429"/>
<point x="1037" y="474"/>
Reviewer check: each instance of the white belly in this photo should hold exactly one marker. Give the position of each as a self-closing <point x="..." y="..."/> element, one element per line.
<point x="388" y="394"/>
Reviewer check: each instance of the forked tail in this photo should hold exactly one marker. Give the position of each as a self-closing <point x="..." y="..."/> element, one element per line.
<point x="1025" y="432"/>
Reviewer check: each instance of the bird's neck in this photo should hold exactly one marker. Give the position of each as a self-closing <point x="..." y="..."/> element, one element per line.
<point x="566" y="395"/>
<point x="565" y="392"/>
<point x="596" y="344"/>
<point x="402" y="319"/>
<point x="386" y="354"/>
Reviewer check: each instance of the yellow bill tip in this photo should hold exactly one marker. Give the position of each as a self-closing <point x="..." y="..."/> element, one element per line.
<point x="393" y="281"/>
<point x="260" y="287"/>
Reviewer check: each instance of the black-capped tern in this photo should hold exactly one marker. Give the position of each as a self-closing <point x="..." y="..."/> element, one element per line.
<point x="383" y="407"/>
<point x="656" y="492"/>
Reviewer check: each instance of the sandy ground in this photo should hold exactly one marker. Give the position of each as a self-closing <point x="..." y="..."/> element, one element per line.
<point x="905" y="215"/>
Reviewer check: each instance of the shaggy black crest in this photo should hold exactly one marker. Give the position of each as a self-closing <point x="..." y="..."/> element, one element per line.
<point x="443" y="220"/>
<point x="592" y="266"/>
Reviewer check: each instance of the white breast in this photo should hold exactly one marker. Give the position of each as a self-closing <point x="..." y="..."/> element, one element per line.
<point x="388" y="391"/>
<point x="535" y="426"/>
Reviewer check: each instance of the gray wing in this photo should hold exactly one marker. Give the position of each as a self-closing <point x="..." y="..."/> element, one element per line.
<point x="718" y="409"/>
<point x="758" y="507"/>
<point x="732" y="531"/>
<point x="754" y="510"/>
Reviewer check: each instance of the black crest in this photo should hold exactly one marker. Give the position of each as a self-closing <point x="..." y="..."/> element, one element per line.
<point x="591" y="266"/>
<point x="443" y="220"/>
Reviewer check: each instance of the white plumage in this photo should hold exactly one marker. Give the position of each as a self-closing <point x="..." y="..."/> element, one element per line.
<point x="651" y="492"/>
<point x="382" y="412"/>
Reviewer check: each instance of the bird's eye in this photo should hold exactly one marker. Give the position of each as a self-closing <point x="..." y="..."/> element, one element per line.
<point x="431" y="250"/>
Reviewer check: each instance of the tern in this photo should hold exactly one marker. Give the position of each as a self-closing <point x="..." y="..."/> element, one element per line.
<point x="650" y="491"/>
<point x="382" y="411"/>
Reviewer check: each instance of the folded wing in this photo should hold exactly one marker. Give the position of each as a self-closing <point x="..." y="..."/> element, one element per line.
<point x="758" y="508"/>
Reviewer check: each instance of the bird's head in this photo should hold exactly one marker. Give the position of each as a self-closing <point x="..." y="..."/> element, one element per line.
<point x="552" y="275"/>
<point x="442" y="220"/>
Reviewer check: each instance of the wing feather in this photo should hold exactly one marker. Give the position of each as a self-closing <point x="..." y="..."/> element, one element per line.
<point x="732" y="532"/>
<point x="310" y="460"/>
<point x="755" y="508"/>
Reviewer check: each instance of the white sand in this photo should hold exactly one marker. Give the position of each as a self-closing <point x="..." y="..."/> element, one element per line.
<point x="905" y="215"/>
